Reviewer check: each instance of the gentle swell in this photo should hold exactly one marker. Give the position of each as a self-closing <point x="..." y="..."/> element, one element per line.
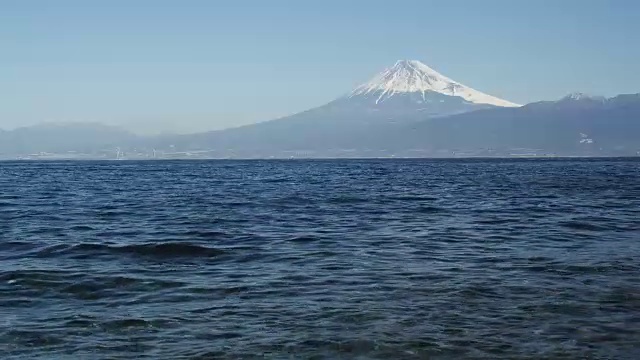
<point x="341" y="259"/>
<point x="150" y="250"/>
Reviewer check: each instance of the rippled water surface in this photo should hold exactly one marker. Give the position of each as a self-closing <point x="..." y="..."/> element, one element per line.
<point x="394" y="259"/>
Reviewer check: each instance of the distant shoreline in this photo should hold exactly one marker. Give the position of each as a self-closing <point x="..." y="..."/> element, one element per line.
<point x="515" y="157"/>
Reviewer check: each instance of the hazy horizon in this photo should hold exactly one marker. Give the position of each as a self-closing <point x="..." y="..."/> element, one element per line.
<point x="198" y="66"/>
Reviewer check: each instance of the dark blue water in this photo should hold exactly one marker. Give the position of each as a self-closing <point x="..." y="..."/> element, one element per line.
<point x="394" y="259"/>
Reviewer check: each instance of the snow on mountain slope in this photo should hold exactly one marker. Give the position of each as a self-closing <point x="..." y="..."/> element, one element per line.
<point x="580" y="96"/>
<point x="411" y="76"/>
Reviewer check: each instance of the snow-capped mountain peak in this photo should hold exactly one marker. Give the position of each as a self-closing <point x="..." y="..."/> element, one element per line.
<point x="578" y="96"/>
<point x="412" y="76"/>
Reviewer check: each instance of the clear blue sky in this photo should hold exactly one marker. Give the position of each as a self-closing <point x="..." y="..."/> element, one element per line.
<point x="189" y="65"/>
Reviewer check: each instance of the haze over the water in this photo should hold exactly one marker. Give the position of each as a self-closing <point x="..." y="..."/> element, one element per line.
<point x="169" y="66"/>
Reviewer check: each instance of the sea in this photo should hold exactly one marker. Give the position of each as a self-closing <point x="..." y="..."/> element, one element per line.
<point x="320" y="259"/>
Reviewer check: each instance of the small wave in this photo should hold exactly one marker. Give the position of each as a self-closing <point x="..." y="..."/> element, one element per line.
<point x="495" y="221"/>
<point x="81" y="228"/>
<point x="46" y="230"/>
<point x="32" y="338"/>
<point x="204" y="234"/>
<point x="215" y="335"/>
<point x="9" y="197"/>
<point x="348" y="200"/>
<point x="429" y="209"/>
<point x="42" y="275"/>
<point x="413" y="198"/>
<point x="235" y="203"/>
<point x="153" y="250"/>
<point x="172" y="250"/>
<point x="303" y="239"/>
<point x="85" y="290"/>
<point x="584" y="226"/>
<point x="10" y="246"/>
<point x="126" y="323"/>
<point x="275" y="180"/>
<point x="114" y="213"/>
<point x="292" y="200"/>
<point x="80" y="323"/>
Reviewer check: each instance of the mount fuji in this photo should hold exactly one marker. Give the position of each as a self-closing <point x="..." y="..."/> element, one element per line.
<point x="410" y="87"/>
<point x="405" y="93"/>
<point x="422" y="85"/>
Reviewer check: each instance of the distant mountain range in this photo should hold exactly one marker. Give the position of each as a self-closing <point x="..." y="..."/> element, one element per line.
<point x="67" y="138"/>
<point x="408" y="109"/>
<point x="575" y="125"/>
